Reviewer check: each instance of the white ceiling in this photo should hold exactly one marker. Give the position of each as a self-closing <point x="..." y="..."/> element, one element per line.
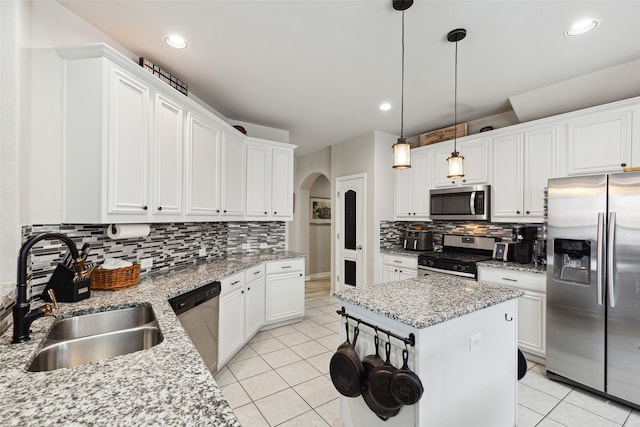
<point x="320" y="68"/>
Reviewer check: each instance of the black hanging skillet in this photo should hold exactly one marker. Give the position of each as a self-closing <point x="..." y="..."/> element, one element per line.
<point x="379" y="382"/>
<point x="370" y="362"/>
<point x="406" y="386"/>
<point x="345" y="367"/>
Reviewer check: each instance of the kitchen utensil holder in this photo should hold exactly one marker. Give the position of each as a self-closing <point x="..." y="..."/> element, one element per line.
<point x="117" y="278"/>
<point x="66" y="285"/>
<point x="411" y="340"/>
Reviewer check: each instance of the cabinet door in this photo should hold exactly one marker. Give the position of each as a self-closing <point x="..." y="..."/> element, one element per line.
<point x="233" y="175"/>
<point x="407" y="274"/>
<point x="389" y="273"/>
<point x="203" y="159"/>
<point x="284" y="296"/>
<point x="282" y="183"/>
<point x="168" y="133"/>
<point x="258" y="180"/>
<point x="532" y="322"/>
<point x="506" y="191"/>
<point x="440" y="165"/>
<point x="255" y="307"/>
<point x="128" y="141"/>
<point x="231" y="334"/>
<point x="599" y="143"/>
<point x="476" y="161"/>
<point x="540" y="163"/>
<point x="404" y="193"/>
<point x="421" y="173"/>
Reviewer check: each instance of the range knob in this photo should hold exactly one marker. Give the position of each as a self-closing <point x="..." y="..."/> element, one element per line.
<point x="430" y="263"/>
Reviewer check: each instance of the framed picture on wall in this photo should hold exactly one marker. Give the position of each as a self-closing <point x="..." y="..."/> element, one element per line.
<point x="319" y="211"/>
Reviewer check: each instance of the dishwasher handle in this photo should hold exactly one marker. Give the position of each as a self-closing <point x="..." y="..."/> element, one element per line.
<point x="195" y="297"/>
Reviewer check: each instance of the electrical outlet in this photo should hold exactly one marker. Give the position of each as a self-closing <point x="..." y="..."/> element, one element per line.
<point x="246" y="246"/>
<point x="475" y="341"/>
<point x="146" y="263"/>
<point x="202" y="251"/>
<point x="264" y="245"/>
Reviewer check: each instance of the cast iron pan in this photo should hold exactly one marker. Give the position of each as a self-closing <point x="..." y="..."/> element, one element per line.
<point x="522" y="365"/>
<point x="406" y="386"/>
<point x="379" y="382"/>
<point x="345" y="367"/>
<point x="370" y="362"/>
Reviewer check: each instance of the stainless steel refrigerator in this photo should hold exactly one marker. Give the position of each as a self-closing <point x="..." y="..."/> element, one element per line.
<point x="593" y="283"/>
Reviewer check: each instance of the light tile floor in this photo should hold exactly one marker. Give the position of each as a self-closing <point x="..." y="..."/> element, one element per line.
<point x="281" y="378"/>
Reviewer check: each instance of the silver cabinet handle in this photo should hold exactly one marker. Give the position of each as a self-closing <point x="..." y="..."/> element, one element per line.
<point x="397" y="261"/>
<point x="611" y="234"/>
<point x="286" y="266"/>
<point x="600" y="265"/>
<point x="235" y="283"/>
<point x="509" y="280"/>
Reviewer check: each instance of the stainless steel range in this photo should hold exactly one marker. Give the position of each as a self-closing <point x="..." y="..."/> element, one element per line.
<point x="459" y="255"/>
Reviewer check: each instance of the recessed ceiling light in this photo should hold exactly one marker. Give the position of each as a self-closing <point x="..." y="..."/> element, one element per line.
<point x="582" y="27"/>
<point x="176" y="41"/>
<point x="385" y="106"/>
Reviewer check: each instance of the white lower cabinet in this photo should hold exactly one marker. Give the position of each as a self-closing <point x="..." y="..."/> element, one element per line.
<point x="532" y="306"/>
<point x="254" y="301"/>
<point x="398" y="267"/>
<point x="231" y="330"/>
<point x="284" y="290"/>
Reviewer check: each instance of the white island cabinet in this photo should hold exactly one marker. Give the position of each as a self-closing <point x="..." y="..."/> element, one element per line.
<point x="465" y="349"/>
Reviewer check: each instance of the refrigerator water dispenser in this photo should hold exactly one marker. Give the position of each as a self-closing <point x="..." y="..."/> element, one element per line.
<point x="571" y="260"/>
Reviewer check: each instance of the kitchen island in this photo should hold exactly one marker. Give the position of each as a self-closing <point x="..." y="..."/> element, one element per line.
<point x="167" y="384"/>
<point x="465" y="349"/>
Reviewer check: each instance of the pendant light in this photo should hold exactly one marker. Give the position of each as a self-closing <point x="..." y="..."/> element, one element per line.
<point x="402" y="149"/>
<point x="456" y="161"/>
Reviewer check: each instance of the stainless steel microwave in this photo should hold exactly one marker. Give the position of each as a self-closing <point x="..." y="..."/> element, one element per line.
<point x="461" y="203"/>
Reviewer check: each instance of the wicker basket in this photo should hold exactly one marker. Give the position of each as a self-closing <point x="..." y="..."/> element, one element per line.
<point x="112" y="280"/>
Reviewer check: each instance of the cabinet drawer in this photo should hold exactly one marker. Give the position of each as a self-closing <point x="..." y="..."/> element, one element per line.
<point x="400" y="261"/>
<point x="285" y="266"/>
<point x="232" y="283"/>
<point x="517" y="279"/>
<point x="254" y="273"/>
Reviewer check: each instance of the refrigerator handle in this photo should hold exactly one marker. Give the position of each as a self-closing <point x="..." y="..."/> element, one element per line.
<point x="600" y="272"/>
<point x="611" y="227"/>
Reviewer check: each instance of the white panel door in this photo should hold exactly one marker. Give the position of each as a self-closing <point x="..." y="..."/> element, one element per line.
<point x="476" y="162"/>
<point x="422" y="172"/>
<point x="350" y="231"/>
<point x="167" y="148"/>
<point x="506" y="191"/>
<point x="282" y="182"/>
<point x="231" y="324"/>
<point x="532" y="323"/>
<point x="203" y="159"/>
<point x="258" y="180"/>
<point x="233" y="174"/>
<point x="404" y="193"/>
<point x="284" y="296"/>
<point x="540" y="164"/>
<point x="128" y="144"/>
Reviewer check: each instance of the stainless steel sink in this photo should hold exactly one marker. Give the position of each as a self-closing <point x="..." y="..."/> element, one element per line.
<point x="97" y="336"/>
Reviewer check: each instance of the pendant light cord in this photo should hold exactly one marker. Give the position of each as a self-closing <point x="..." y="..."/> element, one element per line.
<point x="402" y="84"/>
<point x="455" y="102"/>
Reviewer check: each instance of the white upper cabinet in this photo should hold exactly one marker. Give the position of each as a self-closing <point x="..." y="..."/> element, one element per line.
<point x="524" y="161"/>
<point x="202" y="165"/>
<point x="599" y="142"/>
<point x="233" y="168"/>
<point x="269" y="180"/>
<point x="168" y="119"/>
<point x="138" y="151"/>
<point x="476" y="152"/>
<point x="413" y="185"/>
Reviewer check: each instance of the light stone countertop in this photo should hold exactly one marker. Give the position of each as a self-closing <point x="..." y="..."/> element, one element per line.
<point x="514" y="266"/>
<point x="427" y="301"/>
<point x="168" y="384"/>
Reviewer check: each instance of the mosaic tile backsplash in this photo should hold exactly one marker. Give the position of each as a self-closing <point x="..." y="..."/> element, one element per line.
<point x="391" y="232"/>
<point x="170" y="245"/>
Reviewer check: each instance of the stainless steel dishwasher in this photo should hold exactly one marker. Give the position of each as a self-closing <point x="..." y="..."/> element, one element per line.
<point x="197" y="310"/>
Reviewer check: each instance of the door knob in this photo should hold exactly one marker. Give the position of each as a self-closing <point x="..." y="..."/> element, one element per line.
<point x="359" y="247"/>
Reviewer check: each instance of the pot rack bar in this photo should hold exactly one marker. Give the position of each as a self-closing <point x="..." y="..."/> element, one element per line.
<point x="411" y="340"/>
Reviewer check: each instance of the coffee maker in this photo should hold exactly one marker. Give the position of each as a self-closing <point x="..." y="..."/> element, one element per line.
<point x="524" y="236"/>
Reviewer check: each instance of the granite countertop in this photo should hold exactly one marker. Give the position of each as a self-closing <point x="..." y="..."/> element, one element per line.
<point x="427" y="301"/>
<point x="168" y="384"/>
<point x="514" y="266"/>
<point x="402" y="252"/>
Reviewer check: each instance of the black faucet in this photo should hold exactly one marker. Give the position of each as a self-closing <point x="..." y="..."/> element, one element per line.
<point x="22" y="315"/>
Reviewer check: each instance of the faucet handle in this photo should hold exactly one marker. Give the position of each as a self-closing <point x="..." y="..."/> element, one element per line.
<point x="52" y="295"/>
